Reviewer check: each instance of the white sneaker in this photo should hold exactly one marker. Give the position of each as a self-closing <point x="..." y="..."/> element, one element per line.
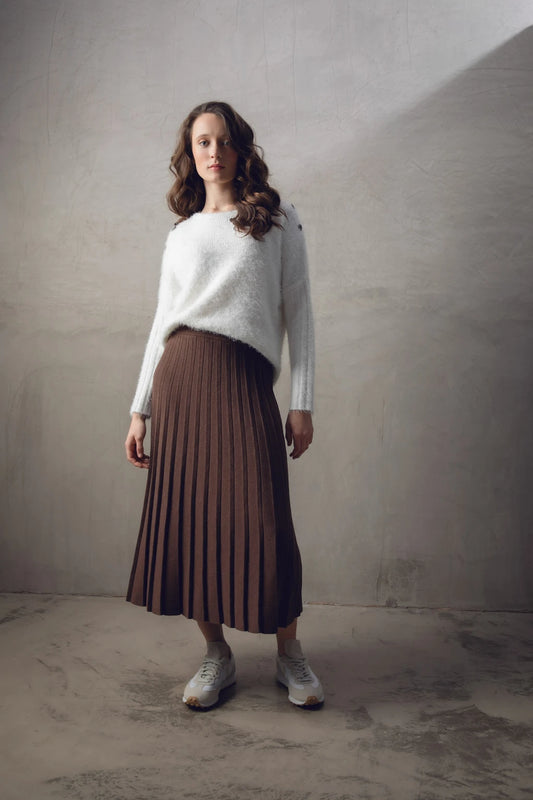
<point x="216" y="673"/>
<point x="294" y="672"/>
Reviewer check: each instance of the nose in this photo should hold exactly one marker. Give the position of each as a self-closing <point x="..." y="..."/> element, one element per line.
<point x="214" y="151"/>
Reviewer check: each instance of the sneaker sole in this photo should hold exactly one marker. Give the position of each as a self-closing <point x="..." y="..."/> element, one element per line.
<point x="194" y="702"/>
<point x="312" y="699"/>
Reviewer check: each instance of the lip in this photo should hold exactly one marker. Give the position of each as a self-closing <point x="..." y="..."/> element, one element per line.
<point x="216" y="166"/>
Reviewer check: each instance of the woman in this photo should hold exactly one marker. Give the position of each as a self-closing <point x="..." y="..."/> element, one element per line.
<point x="217" y="542"/>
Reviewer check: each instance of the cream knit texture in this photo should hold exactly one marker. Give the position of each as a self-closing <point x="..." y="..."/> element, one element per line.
<point x="216" y="279"/>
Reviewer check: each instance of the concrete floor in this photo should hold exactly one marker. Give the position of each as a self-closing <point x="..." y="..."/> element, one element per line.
<point x="419" y="705"/>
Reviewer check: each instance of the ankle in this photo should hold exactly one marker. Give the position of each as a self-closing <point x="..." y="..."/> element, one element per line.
<point x="218" y="648"/>
<point x="282" y="646"/>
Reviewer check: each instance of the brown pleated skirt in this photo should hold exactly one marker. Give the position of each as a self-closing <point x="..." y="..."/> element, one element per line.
<point x="217" y="542"/>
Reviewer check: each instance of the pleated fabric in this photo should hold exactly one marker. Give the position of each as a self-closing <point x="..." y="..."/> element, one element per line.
<point x="217" y="541"/>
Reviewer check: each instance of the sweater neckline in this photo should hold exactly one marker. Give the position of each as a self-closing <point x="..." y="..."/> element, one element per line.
<point x="214" y="213"/>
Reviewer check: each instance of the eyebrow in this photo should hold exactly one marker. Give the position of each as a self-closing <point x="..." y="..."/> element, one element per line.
<point x="207" y="135"/>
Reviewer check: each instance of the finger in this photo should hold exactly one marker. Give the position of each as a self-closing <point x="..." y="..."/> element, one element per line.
<point x="288" y="433"/>
<point x="301" y="444"/>
<point x="131" y="452"/>
<point x="298" y="447"/>
<point x="133" y="456"/>
<point x="140" y="449"/>
<point x="143" y="463"/>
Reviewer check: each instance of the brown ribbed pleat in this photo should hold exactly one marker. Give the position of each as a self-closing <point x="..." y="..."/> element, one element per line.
<point x="217" y="541"/>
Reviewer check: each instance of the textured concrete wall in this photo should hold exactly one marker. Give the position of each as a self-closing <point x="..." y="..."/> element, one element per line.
<point x="402" y="132"/>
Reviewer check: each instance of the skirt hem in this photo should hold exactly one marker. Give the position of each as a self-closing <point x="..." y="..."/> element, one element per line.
<point x="218" y="622"/>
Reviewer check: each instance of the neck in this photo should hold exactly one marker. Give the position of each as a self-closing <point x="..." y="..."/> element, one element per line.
<point x="218" y="198"/>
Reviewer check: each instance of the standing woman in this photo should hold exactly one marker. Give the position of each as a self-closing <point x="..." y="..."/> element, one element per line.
<point x="217" y="542"/>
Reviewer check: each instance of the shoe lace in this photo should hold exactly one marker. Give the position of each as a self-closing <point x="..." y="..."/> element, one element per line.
<point x="301" y="670"/>
<point x="210" y="670"/>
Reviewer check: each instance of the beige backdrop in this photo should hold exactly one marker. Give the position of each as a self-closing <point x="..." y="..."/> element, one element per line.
<point x="402" y="133"/>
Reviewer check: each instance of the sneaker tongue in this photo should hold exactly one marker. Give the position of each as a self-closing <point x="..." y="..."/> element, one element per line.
<point x="209" y="670"/>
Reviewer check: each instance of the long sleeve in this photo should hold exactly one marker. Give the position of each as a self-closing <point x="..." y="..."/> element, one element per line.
<point x="142" y="402"/>
<point x="297" y="312"/>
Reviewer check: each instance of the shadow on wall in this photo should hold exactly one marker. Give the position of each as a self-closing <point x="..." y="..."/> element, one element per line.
<point x="436" y="321"/>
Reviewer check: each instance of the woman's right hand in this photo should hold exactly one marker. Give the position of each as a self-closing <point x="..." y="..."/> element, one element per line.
<point x="134" y="442"/>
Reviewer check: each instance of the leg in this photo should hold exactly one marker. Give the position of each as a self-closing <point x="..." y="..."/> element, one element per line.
<point x="284" y="634"/>
<point x="216" y="672"/>
<point x="212" y="632"/>
<point x="294" y="672"/>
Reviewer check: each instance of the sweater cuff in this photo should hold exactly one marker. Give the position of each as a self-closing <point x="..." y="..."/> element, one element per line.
<point x="144" y="409"/>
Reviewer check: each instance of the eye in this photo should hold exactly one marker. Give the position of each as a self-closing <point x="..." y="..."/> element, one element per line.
<point x="203" y="142"/>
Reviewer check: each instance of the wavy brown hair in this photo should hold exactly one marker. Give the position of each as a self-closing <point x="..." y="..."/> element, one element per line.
<point x="257" y="203"/>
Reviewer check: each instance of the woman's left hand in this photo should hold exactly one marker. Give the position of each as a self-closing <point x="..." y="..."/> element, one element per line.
<point x="299" y="431"/>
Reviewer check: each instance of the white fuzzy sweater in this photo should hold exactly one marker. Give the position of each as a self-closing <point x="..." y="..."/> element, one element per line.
<point x="216" y="279"/>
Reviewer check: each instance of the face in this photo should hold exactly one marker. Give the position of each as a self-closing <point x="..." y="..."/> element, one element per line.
<point x="214" y="157"/>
